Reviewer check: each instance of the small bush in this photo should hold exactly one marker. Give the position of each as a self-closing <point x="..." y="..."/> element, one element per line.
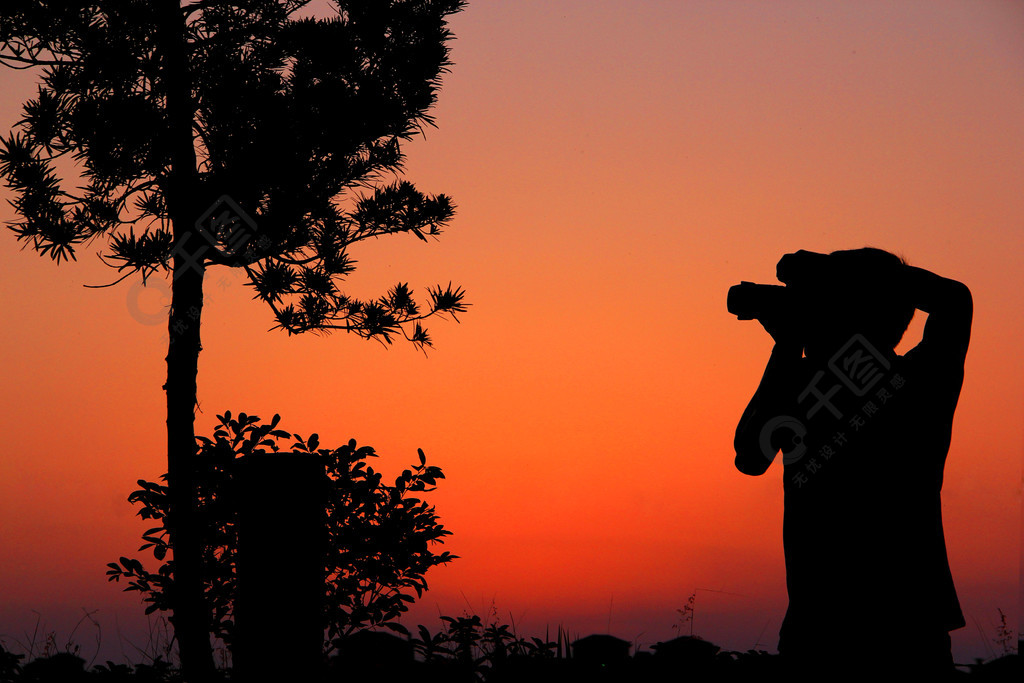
<point x="380" y="536"/>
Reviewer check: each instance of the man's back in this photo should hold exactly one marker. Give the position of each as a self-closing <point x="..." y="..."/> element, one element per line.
<point x="862" y="529"/>
<point x="864" y="435"/>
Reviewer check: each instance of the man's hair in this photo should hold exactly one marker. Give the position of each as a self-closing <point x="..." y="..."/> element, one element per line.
<point x="869" y="280"/>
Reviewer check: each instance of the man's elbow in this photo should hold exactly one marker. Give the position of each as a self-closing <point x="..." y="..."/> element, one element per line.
<point x="750" y="466"/>
<point x="750" y="459"/>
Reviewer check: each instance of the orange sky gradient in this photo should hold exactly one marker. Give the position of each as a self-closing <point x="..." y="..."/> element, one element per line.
<point x="616" y="167"/>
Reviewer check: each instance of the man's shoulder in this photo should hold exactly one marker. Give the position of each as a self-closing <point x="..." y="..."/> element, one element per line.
<point x="932" y="376"/>
<point x="932" y="359"/>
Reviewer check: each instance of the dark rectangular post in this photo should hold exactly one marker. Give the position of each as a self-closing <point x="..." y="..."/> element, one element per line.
<point x="281" y="547"/>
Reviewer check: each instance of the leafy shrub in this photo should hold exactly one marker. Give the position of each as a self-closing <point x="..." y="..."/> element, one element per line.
<point x="379" y="537"/>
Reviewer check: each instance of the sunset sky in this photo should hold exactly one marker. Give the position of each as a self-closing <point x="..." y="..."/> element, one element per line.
<point x="616" y="167"/>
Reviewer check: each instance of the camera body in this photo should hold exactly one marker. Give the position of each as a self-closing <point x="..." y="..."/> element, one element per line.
<point x="750" y="301"/>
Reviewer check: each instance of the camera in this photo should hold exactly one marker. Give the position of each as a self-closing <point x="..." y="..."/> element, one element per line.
<point x="749" y="301"/>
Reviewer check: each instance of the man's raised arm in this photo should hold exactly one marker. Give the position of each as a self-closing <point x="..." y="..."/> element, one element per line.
<point x="772" y="399"/>
<point x="950" y="309"/>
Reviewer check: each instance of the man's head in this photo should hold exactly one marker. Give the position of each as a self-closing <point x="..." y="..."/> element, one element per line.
<point x="857" y="291"/>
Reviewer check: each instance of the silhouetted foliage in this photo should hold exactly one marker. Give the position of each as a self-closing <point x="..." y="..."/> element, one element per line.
<point x="60" y="666"/>
<point x="465" y="650"/>
<point x="10" y="664"/>
<point x="227" y="133"/>
<point x="299" y="122"/>
<point x="379" y="535"/>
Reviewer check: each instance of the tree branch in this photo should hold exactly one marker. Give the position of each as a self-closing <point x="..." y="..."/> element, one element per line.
<point x="31" y="60"/>
<point x="117" y="281"/>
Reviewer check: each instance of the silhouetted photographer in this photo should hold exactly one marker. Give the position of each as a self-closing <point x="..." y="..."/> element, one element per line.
<point x="864" y="435"/>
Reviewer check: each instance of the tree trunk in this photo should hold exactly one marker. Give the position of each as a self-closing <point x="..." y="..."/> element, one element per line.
<point x="191" y="616"/>
<point x="191" y="619"/>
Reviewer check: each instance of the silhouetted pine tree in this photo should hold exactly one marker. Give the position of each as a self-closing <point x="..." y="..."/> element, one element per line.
<point x="228" y="134"/>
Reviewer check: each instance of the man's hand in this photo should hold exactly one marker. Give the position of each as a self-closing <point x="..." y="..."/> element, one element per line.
<point x="801" y="267"/>
<point x="799" y="271"/>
